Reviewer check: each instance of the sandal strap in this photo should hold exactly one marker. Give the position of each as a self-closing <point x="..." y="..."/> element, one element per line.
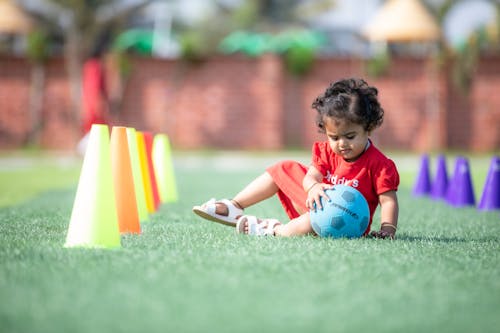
<point x="271" y="223"/>
<point x="256" y="227"/>
<point x="210" y="206"/>
<point x="232" y="211"/>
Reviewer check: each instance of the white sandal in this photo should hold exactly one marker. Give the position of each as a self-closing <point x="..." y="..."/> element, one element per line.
<point x="209" y="211"/>
<point x="256" y="227"/>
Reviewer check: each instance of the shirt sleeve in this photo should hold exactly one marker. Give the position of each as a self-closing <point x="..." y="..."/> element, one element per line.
<point x="387" y="177"/>
<point x="320" y="158"/>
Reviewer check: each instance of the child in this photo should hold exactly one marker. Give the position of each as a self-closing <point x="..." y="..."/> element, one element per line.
<point x="347" y="112"/>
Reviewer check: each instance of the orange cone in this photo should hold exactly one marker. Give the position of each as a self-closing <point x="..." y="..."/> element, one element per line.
<point x="126" y="203"/>
<point x="148" y="139"/>
<point x="146" y="179"/>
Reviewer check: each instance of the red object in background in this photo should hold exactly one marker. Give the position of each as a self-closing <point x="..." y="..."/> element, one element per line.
<point x="94" y="94"/>
<point x="148" y="139"/>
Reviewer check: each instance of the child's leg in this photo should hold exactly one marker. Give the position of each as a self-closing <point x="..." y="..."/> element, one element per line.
<point x="296" y="227"/>
<point x="261" y="188"/>
<point x="283" y="178"/>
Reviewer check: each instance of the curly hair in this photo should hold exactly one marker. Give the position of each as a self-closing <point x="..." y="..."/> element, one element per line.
<point x="350" y="99"/>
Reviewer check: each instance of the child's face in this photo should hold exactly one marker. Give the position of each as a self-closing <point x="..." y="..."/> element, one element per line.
<point x="346" y="138"/>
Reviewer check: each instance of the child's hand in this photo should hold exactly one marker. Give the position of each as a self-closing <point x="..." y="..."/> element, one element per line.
<point x="316" y="192"/>
<point x="382" y="234"/>
<point x="387" y="230"/>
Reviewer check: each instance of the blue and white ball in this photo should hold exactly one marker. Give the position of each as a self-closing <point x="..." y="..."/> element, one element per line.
<point x="345" y="215"/>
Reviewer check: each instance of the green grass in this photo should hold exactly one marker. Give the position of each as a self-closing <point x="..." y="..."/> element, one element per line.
<point x="24" y="175"/>
<point x="184" y="274"/>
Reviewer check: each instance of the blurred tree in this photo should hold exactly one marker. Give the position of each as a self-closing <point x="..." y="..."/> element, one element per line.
<point x="272" y="15"/>
<point x="466" y="57"/>
<point x="85" y="26"/>
<point x="260" y="18"/>
<point x="37" y="52"/>
<point x="16" y="25"/>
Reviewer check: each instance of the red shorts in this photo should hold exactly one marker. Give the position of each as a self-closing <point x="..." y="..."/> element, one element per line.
<point x="288" y="176"/>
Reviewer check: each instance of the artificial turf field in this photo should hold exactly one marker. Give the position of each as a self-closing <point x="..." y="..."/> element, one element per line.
<point x="184" y="274"/>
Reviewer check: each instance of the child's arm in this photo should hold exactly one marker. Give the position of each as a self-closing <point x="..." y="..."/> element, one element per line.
<point x="312" y="177"/>
<point x="388" y="215"/>
<point x="314" y="187"/>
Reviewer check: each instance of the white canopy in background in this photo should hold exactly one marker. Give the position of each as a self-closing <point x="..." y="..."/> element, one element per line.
<point x="402" y="21"/>
<point x="12" y="19"/>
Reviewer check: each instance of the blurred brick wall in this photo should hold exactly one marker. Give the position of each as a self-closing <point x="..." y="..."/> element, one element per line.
<point x="406" y="93"/>
<point x="15" y="119"/>
<point x="245" y="103"/>
<point x="14" y="99"/>
<point x="484" y="110"/>
<point x="224" y="102"/>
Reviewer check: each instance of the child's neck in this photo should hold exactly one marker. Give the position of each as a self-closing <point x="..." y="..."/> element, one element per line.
<point x="368" y="144"/>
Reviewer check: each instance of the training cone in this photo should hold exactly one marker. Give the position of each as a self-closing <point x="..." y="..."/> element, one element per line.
<point x="440" y="184"/>
<point x="148" y="140"/>
<point x="123" y="179"/>
<point x="94" y="220"/>
<point x="164" y="168"/>
<point x="142" y="209"/>
<point x="423" y="183"/>
<point x="490" y="199"/>
<point x="460" y="192"/>
<point x="146" y="179"/>
<point x="450" y="191"/>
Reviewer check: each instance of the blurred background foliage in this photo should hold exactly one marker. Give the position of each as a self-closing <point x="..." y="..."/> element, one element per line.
<point x="82" y="28"/>
<point x="79" y="29"/>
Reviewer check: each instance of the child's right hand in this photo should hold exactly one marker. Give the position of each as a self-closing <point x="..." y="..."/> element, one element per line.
<point x="316" y="192"/>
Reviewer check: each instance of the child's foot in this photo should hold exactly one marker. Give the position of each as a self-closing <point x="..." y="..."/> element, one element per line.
<point x="251" y="225"/>
<point x="221" y="211"/>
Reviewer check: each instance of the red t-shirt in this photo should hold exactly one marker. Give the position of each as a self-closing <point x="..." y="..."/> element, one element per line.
<point x="372" y="173"/>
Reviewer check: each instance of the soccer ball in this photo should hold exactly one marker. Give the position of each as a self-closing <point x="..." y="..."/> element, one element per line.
<point x="345" y="215"/>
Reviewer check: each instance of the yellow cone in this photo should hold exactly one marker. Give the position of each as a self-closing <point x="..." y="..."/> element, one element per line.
<point x="146" y="180"/>
<point x="94" y="221"/>
<point x="137" y="174"/>
<point x="164" y="168"/>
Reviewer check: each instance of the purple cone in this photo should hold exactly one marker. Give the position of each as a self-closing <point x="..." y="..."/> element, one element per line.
<point x="440" y="185"/>
<point x="423" y="183"/>
<point x="490" y="199"/>
<point x="460" y="191"/>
